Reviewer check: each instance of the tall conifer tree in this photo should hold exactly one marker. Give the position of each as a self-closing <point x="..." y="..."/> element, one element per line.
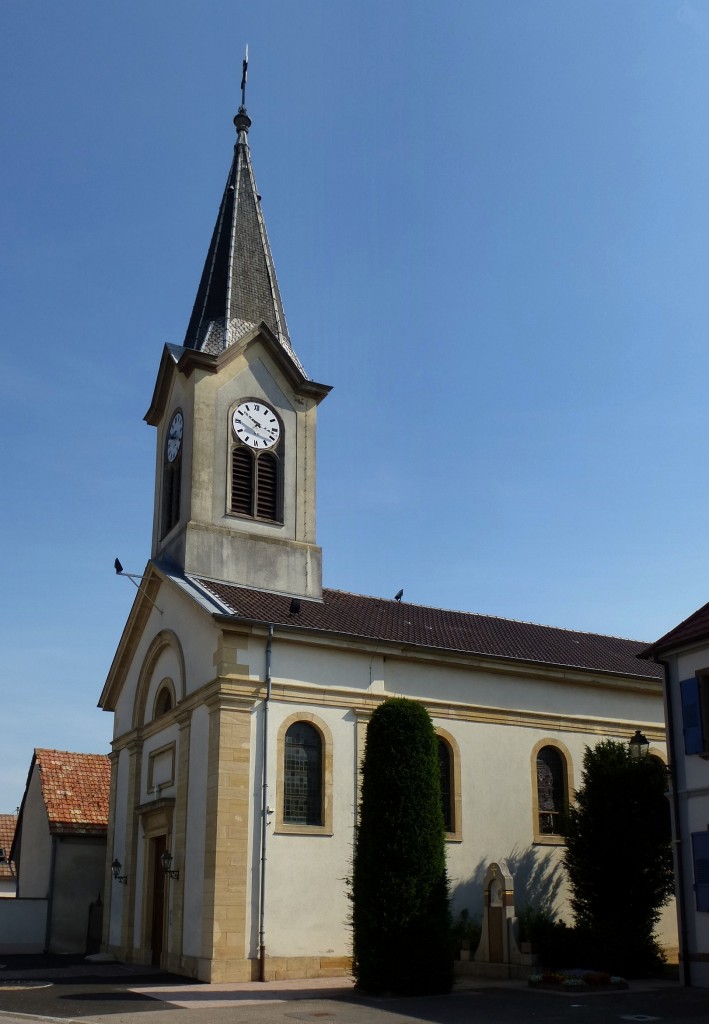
<point x="618" y="856"/>
<point x="399" y="884"/>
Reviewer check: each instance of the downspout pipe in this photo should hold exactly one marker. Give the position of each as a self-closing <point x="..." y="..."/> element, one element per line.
<point x="264" y="812"/>
<point x="679" y="846"/>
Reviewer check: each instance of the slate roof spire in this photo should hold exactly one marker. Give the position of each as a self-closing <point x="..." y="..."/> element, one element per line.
<point x="238" y="288"/>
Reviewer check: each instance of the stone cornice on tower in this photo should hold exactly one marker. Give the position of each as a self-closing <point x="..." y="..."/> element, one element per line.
<point x="185" y="361"/>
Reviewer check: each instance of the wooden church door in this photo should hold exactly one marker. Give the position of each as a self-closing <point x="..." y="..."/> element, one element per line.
<point x="157" y="926"/>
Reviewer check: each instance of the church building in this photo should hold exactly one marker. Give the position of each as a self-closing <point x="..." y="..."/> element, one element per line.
<point x="241" y="688"/>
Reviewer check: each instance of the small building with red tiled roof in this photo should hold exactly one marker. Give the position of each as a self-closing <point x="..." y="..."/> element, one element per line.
<point x="59" y="847"/>
<point x="8" y="884"/>
<point x="683" y="653"/>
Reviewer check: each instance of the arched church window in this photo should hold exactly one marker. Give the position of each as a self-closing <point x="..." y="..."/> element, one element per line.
<point x="551" y="790"/>
<point x="172" y="473"/>
<point x="163" y="701"/>
<point x="256" y="463"/>
<point x="445" y="767"/>
<point x="302" y="775"/>
<point x="450" y="780"/>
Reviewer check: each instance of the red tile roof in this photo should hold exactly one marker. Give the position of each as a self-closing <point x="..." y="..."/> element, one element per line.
<point x="376" y="619"/>
<point x="7" y="834"/>
<point x="75" y="788"/>
<point x="694" y="628"/>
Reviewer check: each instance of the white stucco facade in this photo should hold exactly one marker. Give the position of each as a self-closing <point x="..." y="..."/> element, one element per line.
<point x="174" y="776"/>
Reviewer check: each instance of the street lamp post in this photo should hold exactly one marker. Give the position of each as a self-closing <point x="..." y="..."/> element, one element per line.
<point x="639" y="745"/>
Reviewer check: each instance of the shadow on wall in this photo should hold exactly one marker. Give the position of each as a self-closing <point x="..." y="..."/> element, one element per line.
<point x="538" y="877"/>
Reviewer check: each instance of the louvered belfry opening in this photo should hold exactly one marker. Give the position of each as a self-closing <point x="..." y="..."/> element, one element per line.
<point x="255" y="484"/>
<point x="172" y="480"/>
<point x="242" y="480"/>
<point x="267" y="486"/>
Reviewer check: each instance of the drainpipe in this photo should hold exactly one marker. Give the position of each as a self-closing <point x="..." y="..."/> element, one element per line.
<point x="264" y="812"/>
<point x="679" y="865"/>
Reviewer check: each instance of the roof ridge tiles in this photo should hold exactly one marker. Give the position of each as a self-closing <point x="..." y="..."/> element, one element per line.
<point x="482" y="615"/>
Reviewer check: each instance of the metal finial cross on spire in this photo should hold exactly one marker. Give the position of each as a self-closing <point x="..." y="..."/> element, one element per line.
<point x="244" y="70"/>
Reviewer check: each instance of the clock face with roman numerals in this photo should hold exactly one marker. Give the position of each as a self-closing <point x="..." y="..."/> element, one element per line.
<point x="256" y="424"/>
<point x="174" y="436"/>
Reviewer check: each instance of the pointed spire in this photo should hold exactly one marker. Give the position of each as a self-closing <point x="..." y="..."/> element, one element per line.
<point x="238" y="288"/>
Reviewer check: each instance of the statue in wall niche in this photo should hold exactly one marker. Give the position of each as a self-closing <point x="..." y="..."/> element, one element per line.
<point x="496" y="892"/>
<point x="498" y="942"/>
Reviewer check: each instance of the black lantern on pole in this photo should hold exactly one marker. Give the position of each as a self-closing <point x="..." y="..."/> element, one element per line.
<point x="639" y="745"/>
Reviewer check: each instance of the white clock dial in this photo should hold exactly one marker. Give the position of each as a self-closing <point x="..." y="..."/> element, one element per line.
<point x="174" y="436"/>
<point x="256" y="425"/>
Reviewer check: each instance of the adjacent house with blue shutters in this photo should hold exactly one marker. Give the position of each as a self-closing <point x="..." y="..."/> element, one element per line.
<point x="684" y="654"/>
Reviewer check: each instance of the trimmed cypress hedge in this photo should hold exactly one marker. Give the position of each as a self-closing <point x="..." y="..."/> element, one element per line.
<point x="619" y="858"/>
<point x="400" y="897"/>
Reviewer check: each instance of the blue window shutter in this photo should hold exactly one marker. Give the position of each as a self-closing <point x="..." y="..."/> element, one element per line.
<point x="691" y="716"/>
<point x="700" y="855"/>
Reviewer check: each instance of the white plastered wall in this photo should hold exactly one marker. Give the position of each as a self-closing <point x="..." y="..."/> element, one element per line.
<point x="497" y="779"/>
<point x="306" y="902"/>
<point x="36" y="844"/>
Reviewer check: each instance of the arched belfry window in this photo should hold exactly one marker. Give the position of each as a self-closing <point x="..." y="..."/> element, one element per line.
<point x="256" y="463"/>
<point x="172" y="473"/>
<point x="303" y="775"/>
<point x="551" y="790"/>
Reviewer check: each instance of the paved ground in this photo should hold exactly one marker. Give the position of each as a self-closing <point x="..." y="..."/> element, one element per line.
<point x="71" y="989"/>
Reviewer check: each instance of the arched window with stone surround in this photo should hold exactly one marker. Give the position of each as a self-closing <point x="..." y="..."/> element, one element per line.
<point x="551" y="790"/>
<point x="256" y="463"/>
<point x="164" y="700"/>
<point x="449" y="775"/>
<point x="445" y="769"/>
<point x="171" y="487"/>
<point x="303" y="775"/>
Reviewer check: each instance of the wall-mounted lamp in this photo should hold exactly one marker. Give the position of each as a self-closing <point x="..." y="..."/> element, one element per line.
<point x="639" y="745"/>
<point x="166" y="861"/>
<point x="116" y="869"/>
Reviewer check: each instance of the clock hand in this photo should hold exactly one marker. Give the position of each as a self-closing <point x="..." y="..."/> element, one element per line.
<point x="256" y="430"/>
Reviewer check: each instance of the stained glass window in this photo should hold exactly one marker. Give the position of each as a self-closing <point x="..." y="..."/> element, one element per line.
<point x="302" y="796"/>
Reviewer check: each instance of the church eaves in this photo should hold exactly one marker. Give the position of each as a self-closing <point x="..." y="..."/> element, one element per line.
<point x="377" y="620"/>
<point x="238" y="289"/>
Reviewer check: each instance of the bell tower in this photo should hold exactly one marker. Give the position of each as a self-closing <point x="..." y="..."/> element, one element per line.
<point x="235" y="414"/>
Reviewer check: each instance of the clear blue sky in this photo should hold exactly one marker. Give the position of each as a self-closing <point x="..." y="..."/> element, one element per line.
<point x="490" y="222"/>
